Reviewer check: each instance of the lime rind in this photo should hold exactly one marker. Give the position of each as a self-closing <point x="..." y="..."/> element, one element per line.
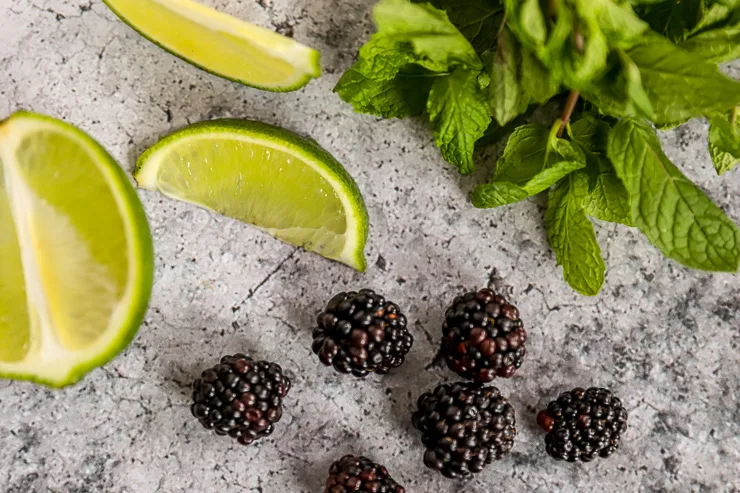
<point x="141" y="267"/>
<point x="309" y="68"/>
<point x="306" y="149"/>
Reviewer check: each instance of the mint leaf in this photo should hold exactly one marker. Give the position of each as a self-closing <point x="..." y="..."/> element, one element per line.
<point x="620" y="92"/>
<point x="572" y="236"/>
<point x="507" y="97"/>
<point x="402" y="96"/>
<point x="533" y="161"/>
<point x="388" y="79"/>
<point x="382" y="58"/>
<point x="572" y="57"/>
<point x="728" y="3"/>
<point x="724" y="141"/>
<point x="716" y="15"/>
<point x="429" y="31"/>
<point x="497" y="194"/>
<point x="674" y="214"/>
<point x="582" y="63"/>
<point x="608" y="200"/>
<point x="551" y="175"/>
<point x="551" y="53"/>
<point x="681" y="85"/>
<point x="536" y="79"/>
<point x="526" y="19"/>
<point x="716" y="45"/>
<point x="619" y="23"/>
<point x="574" y="44"/>
<point x="723" y="161"/>
<point x="590" y="132"/>
<point x="673" y="19"/>
<point x="477" y="20"/>
<point x="562" y="150"/>
<point x="530" y="150"/>
<point x="524" y="154"/>
<point x="663" y="127"/>
<point x="459" y="112"/>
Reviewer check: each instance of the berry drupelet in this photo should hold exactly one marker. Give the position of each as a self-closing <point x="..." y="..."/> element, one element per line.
<point x="359" y="474"/>
<point x="583" y="424"/>
<point x="240" y="397"/>
<point x="465" y="427"/>
<point x="483" y="337"/>
<point x="361" y="332"/>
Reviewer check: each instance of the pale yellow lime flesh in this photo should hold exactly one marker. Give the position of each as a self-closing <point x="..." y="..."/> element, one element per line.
<point x="75" y="252"/>
<point x="221" y="44"/>
<point x="265" y="176"/>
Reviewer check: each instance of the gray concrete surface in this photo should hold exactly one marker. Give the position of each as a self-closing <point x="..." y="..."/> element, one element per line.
<point x="663" y="337"/>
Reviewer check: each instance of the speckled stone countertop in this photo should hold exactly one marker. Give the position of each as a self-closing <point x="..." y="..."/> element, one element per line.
<point x="662" y="337"/>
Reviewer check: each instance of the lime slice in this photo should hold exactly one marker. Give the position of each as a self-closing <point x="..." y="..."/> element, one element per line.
<point x="221" y="44"/>
<point x="266" y="176"/>
<point x="75" y="253"/>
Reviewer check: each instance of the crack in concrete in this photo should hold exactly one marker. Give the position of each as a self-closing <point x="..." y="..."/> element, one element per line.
<point x="284" y="322"/>
<point x="421" y="326"/>
<point x="293" y="456"/>
<point x="438" y="363"/>
<point x="277" y="269"/>
<point x="159" y="484"/>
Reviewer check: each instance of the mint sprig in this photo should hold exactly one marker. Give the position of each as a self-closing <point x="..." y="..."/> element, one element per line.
<point x="534" y="160"/>
<point x="479" y="68"/>
<point x="675" y="215"/>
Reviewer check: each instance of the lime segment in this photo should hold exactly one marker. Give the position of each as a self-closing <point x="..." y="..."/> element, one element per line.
<point x="265" y="176"/>
<point x="77" y="276"/>
<point x="14" y="324"/>
<point x="221" y="44"/>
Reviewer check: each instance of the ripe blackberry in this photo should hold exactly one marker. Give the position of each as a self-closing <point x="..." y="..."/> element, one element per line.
<point x="483" y="337"/>
<point x="360" y="333"/>
<point x="240" y="397"/>
<point x="465" y="427"/>
<point x="359" y="474"/>
<point x="583" y="424"/>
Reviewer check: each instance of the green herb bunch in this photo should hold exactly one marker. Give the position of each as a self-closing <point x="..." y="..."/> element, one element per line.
<point x="619" y="69"/>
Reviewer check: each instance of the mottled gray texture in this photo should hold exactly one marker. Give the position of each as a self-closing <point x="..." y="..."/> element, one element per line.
<point x="663" y="337"/>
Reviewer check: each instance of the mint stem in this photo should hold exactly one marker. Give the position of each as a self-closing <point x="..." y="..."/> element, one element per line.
<point x="570" y="105"/>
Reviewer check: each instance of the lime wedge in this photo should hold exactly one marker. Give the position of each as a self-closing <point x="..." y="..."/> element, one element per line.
<point x="266" y="176"/>
<point x="75" y="253"/>
<point x="221" y="44"/>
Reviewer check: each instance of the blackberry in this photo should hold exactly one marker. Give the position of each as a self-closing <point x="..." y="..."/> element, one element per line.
<point x="359" y="474"/>
<point x="583" y="424"/>
<point x="465" y="427"/>
<point x="240" y="397"/>
<point x="483" y="337"/>
<point x="361" y="332"/>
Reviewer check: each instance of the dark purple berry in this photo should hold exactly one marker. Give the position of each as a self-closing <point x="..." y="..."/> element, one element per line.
<point x="240" y="397"/>
<point x="483" y="337"/>
<point x="582" y="425"/>
<point x="464" y="427"/>
<point x="361" y="475"/>
<point x="361" y="332"/>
